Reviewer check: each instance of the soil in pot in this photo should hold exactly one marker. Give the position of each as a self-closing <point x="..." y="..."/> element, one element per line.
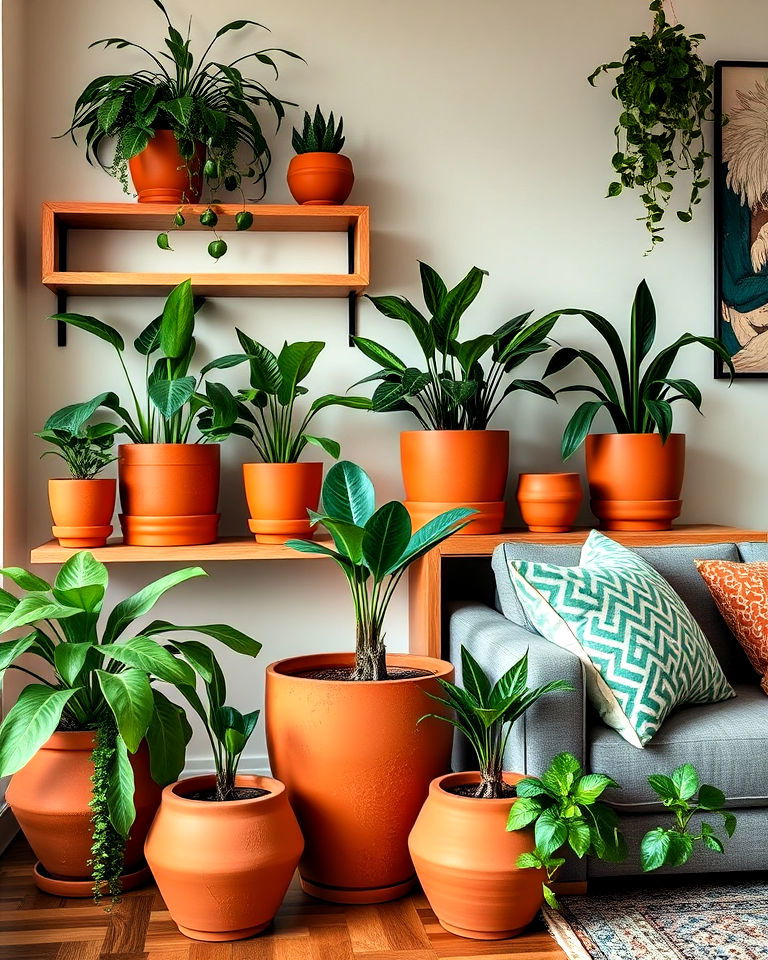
<point x="346" y="674"/>
<point x="469" y="790"/>
<point x="209" y="795"/>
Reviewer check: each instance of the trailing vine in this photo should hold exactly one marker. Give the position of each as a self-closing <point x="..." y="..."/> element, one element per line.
<point x="107" y="846"/>
<point x="664" y="89"/>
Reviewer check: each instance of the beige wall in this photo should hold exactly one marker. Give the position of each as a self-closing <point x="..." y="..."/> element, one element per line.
<point x="476" y="139"/>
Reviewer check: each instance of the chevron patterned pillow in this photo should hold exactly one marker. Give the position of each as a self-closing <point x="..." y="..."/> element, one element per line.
<point x="643" y="652"/>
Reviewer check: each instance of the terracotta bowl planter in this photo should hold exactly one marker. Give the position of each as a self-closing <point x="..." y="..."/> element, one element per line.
<point x="320" y="179"/>
<point x="169" y="493"/>
<point x="49" y="798"/>
<point x="465" y="861"/>
<point x="549" y="502"/>
<point x="223" y="868"/>
<point x="82" y="511"/>
<point x="161" y="175"/>
<point x="279" y="495"/>
<point x="357" y="766"/>
<point x="635" y="480"/>
<point x="443" y="469"/>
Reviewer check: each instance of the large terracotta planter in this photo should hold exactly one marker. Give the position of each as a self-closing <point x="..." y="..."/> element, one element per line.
<point x="635" y="480"/>
<point x="549" y="502"/>
<point x="161" y="175"/>
<point x="320" y="179"/>
<point x="279" y="495"/>
<point x="357" y="766"/>
<point x="223" y="868"/>
<point x="465" y="861"/>
<point x="50" y="798"/>
<point x="169" y="493"/>
<point x="82" y="511"/>
<point x="443" y="469"/>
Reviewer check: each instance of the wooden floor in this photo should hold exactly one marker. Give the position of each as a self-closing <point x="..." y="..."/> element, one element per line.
<point x="35" y="926"/>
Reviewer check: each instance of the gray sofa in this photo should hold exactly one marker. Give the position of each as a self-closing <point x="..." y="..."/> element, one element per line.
<point x="727" y="742"/>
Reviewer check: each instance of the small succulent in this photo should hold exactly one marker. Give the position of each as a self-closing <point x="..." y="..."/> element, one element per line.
<point x="319" y="135"/>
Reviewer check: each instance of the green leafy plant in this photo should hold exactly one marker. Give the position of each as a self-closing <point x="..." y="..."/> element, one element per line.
<point x="638" y="398"/>
<point x="564" y="808"/>
<point x="682" y="795"/>
<point x="374" y="548"/>
<point x="454" y="392"/>
<point x="86" y="452"/>
<point x="664" y="89"/>
<point x="485" y="713"/>
<point x="318" y="134"/>
<point x="96" y="681"/>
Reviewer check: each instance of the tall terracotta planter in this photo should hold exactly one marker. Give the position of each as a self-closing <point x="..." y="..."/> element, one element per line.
<point x="635" y="480"/>
<point x="465" y="860"/>
<point x="443" y="469"/>
<point x="169" y="493"/>
<point x="50" y="798"/>
<point x="223" y="868"/>
<point x="549" y="502"/>
<point x="279" y="495"/>
<point x="161" y="175"/>
<point x="82" y="511"/>
<point x="320" y="179"/>
<point x="357" y="766"/>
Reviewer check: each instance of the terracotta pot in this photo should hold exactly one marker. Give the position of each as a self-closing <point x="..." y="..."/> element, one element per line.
<point x="279" y="495"/>
<point x="161" y="175"/>
<point x="82" y="511"/>
<point x="549" y="502"/>
<point x="357" y="766"/>
<point x="223" y="868"/>
<point x="320" y="179"/>
<point x="49" y="798"/>
<point x="465" y="860"/>
<point x="169" y="493"/>
<point x="635" y="480"/>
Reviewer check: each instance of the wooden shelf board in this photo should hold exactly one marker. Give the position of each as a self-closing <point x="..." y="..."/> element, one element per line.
<point x="207" y="284"/>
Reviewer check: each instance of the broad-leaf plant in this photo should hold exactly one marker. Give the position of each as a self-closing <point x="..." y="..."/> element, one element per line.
<point x="86" y="452"/>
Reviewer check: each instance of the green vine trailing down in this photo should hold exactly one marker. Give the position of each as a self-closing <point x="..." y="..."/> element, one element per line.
<point x="664" y="89"/>
<point x="107" y="845"/>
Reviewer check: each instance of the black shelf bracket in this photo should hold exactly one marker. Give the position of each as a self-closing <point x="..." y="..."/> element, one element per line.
<point x="353" y="296"/>
<point x="61" y="295"/>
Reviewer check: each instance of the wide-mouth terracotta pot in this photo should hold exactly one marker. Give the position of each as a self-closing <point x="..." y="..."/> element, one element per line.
<point x="465" y="860"/>
<point x="320" y="179"/>
<point x="549" y="502"/>
<point x="50" y="798"/>
<point x="279" y="495"/>
<point x="82" y="511"/>
<point x="161" y="175"/>
<point x="357" y="766"/>
<point x="223" y="867"/>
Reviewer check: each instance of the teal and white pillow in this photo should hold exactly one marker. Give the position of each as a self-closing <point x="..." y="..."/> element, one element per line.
<point x="643" y="652"/>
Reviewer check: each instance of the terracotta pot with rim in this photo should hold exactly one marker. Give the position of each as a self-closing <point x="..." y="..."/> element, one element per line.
<point x="169" y="493"/>
<point x="465" y="861"/>
<point x="161" y="175"/>
<point x="357" y="766"/>
<point x="223" y="868"/>
<point x="279" y="495"/>
<point x="320" y="179"/>
<point x="635" y="480"/>
<point x="82" y="511"/>
<point x="50" y="798"/>
<point x="549" y="502"/>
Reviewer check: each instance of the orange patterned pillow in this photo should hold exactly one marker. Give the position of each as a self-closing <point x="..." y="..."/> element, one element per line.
<point x="740" y="591"/>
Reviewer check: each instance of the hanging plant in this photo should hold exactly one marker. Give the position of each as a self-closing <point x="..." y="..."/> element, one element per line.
<point x="664" y="89"/>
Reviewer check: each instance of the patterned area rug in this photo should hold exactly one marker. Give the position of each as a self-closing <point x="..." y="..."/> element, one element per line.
<point x="696" y="922"/>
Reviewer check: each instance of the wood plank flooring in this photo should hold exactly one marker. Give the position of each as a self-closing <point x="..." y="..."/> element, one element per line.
<point x="35" y="926"/>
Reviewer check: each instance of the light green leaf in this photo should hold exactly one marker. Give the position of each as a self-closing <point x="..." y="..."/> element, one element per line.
<point x="523" y="812"/>
<point x="686" y="780"/>
<point x="82" y="582"/>
<point x="386" y="536"/>
<point x="142" y="602"/>
<point x="25" y="580"/>
<point x="234" y="639"/>
<point x="29" y="723"/>
<point x="654" y="849"/>
<point x="169" y="396"/>
<point x="69" y="659"/>
<point x="178" y="321"/>
<point x="550" y="832"/>
<point x="147" y="655"/>
<point x="120" y="787"/>
<point x="129" y="696"/>
<point x="331" y="447"/>
<point x="167" y="738"/>
<point x="93" y="326"/>
<point x="33" y="608"/>
<point x="348" y="493"/>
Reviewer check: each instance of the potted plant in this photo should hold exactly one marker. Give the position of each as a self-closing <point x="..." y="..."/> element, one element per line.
<point x="169" y="487"/>
<point x="229" y="882"/>
<point x="465" y="862"/>
<point x="82" y="505"/>
<point x="319" y="174"/>
<point x="455" y="460"/>
<point x="342" y="729"/>
<point x="90" y="745"/>
<point x="549" y="502"/>
<point x="635" y="474"/>
<point x="181" y="119"/>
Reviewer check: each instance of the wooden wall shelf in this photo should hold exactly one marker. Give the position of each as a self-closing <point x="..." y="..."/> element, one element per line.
<point x="227" y="548"/>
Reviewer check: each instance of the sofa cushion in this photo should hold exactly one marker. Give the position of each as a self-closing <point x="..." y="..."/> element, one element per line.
<point x="752" y="551"/>
<point x="727" y="743"/>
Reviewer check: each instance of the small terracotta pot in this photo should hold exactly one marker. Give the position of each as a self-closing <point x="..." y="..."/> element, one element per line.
<point x="223" y="868"/>
<point x="320" y="179"/>
<point x="161" y="175"/>
<point x="357" y="766"/>
<point x="279" y="495"/>
<point x="635" y="480"/>
<point x="465" y="861"/>
<point x="50" y="798"/>
<point x="82" y="511"/>
<point x="169" y="493"/>
<point x="549" y="502"/>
